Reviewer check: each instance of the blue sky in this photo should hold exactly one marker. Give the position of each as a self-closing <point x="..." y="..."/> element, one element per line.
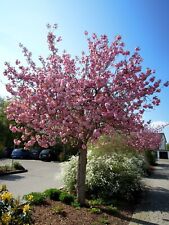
<point x="142" y="23"/>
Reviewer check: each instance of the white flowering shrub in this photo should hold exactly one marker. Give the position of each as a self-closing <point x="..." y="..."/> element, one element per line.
<point x="108" y="176"/>
<point x="71" y="174"/>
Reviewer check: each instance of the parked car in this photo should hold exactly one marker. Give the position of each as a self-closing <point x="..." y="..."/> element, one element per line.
<point x="20" y="153"/>
<point x="47" y="155"/>
<point x="35" y="153"/>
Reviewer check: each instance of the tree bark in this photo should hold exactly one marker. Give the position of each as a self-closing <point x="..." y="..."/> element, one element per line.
<point x="81" y="176"/>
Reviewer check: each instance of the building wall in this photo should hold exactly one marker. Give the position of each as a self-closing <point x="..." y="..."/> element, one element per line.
<point x="163" y="143"/>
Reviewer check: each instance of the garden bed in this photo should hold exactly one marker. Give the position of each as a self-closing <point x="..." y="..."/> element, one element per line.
<point x="56" y="212"/>
<point x="55" y="206"/>
<point x="15" y="168"/>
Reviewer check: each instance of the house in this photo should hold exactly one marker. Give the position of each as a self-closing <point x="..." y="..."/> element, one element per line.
<point x="162" y="152"/>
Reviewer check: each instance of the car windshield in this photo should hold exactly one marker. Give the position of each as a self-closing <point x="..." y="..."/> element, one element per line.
<point x="18" y="150"/>
<point x="35" y="150"/>
<point x="45" y="151"/>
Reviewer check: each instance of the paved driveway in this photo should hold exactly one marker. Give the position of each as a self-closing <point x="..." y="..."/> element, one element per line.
<point x="40" y="176"/>
<point x="154" y="207"/>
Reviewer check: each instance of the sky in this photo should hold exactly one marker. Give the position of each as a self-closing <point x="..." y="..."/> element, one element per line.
<point x="142" y="23"/>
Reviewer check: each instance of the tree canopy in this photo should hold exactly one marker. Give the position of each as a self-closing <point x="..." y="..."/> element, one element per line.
<point x="103" y="91"/>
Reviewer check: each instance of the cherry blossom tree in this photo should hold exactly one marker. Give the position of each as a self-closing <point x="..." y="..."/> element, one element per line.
<point x="102" y="91"/>
<point x="146" y="139"/>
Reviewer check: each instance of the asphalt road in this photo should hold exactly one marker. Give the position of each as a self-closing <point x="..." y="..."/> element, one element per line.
<point x="154" y="207"/>
<point x="40" y="176"/>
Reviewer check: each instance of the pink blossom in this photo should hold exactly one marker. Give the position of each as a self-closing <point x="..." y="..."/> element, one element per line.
<point x="137" y="49"/>
<point x="17" y="142"/>
<point x="96" y="133"/>
<point x="118" y="37"/>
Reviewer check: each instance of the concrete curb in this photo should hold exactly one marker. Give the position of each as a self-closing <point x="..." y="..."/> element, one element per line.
<point x="13" y="172"/>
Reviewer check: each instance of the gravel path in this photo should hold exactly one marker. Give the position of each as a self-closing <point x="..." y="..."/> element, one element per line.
<point x="154" y="207"/>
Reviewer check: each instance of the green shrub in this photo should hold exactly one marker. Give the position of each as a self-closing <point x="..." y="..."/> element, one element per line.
<point x="95" y="202"/>
<point x="95" y="210"/>
<point x="38" y="198"/>
<point x="112" y="210"/>
<point x="66" y="198"/>
<point x="71" y="174"/>
<point x="150" y="157"/>
<point x="1" y="153"/>
<point x="108" y="176"/>
<point x="14" y="166"/>
<point x="18" y="166"/>
<point x="52" y="193"/>
<point x="75" y="204"/>
<point x="5" y="168"/>
<point x="61" y="157"/>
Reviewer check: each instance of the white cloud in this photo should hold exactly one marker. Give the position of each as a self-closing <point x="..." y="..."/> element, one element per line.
<point x="159" y="124"/>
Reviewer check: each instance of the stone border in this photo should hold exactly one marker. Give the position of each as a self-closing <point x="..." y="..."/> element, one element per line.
<point x="13" y="172"/>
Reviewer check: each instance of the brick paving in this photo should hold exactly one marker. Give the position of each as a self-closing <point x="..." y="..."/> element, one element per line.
<point x="154" y="207"/>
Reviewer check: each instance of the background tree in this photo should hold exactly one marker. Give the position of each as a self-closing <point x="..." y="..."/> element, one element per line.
<point x="6" y="136"/>
<point x="102" y="91"/>
<point x="167" y="146"/>
<point x="147" y="139"/>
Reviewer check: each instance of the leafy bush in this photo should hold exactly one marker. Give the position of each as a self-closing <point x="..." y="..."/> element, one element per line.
<point x="117" y="176"/>
<point x="71" y="174"/>
<point x="5" y="168"/>
<point x="95" y="202"/>
<point x="61" y="157"/>
<point x="12" y="167"/>
<point x="112" y="210"/>
<point x="37" y="198"/>
<point x="150" y="157"/>
<point x="95" y="210"/>
<point x="75" y="204"/>
<point x="12" y="211"/>
<point x="1" y="153"/>
<point x="18" y="166"/>
<point x="66" y="198"/>
<point x="52" y="193"/>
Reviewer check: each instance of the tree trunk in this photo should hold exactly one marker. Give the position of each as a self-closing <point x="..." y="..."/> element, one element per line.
<point x="81" y="175"/>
